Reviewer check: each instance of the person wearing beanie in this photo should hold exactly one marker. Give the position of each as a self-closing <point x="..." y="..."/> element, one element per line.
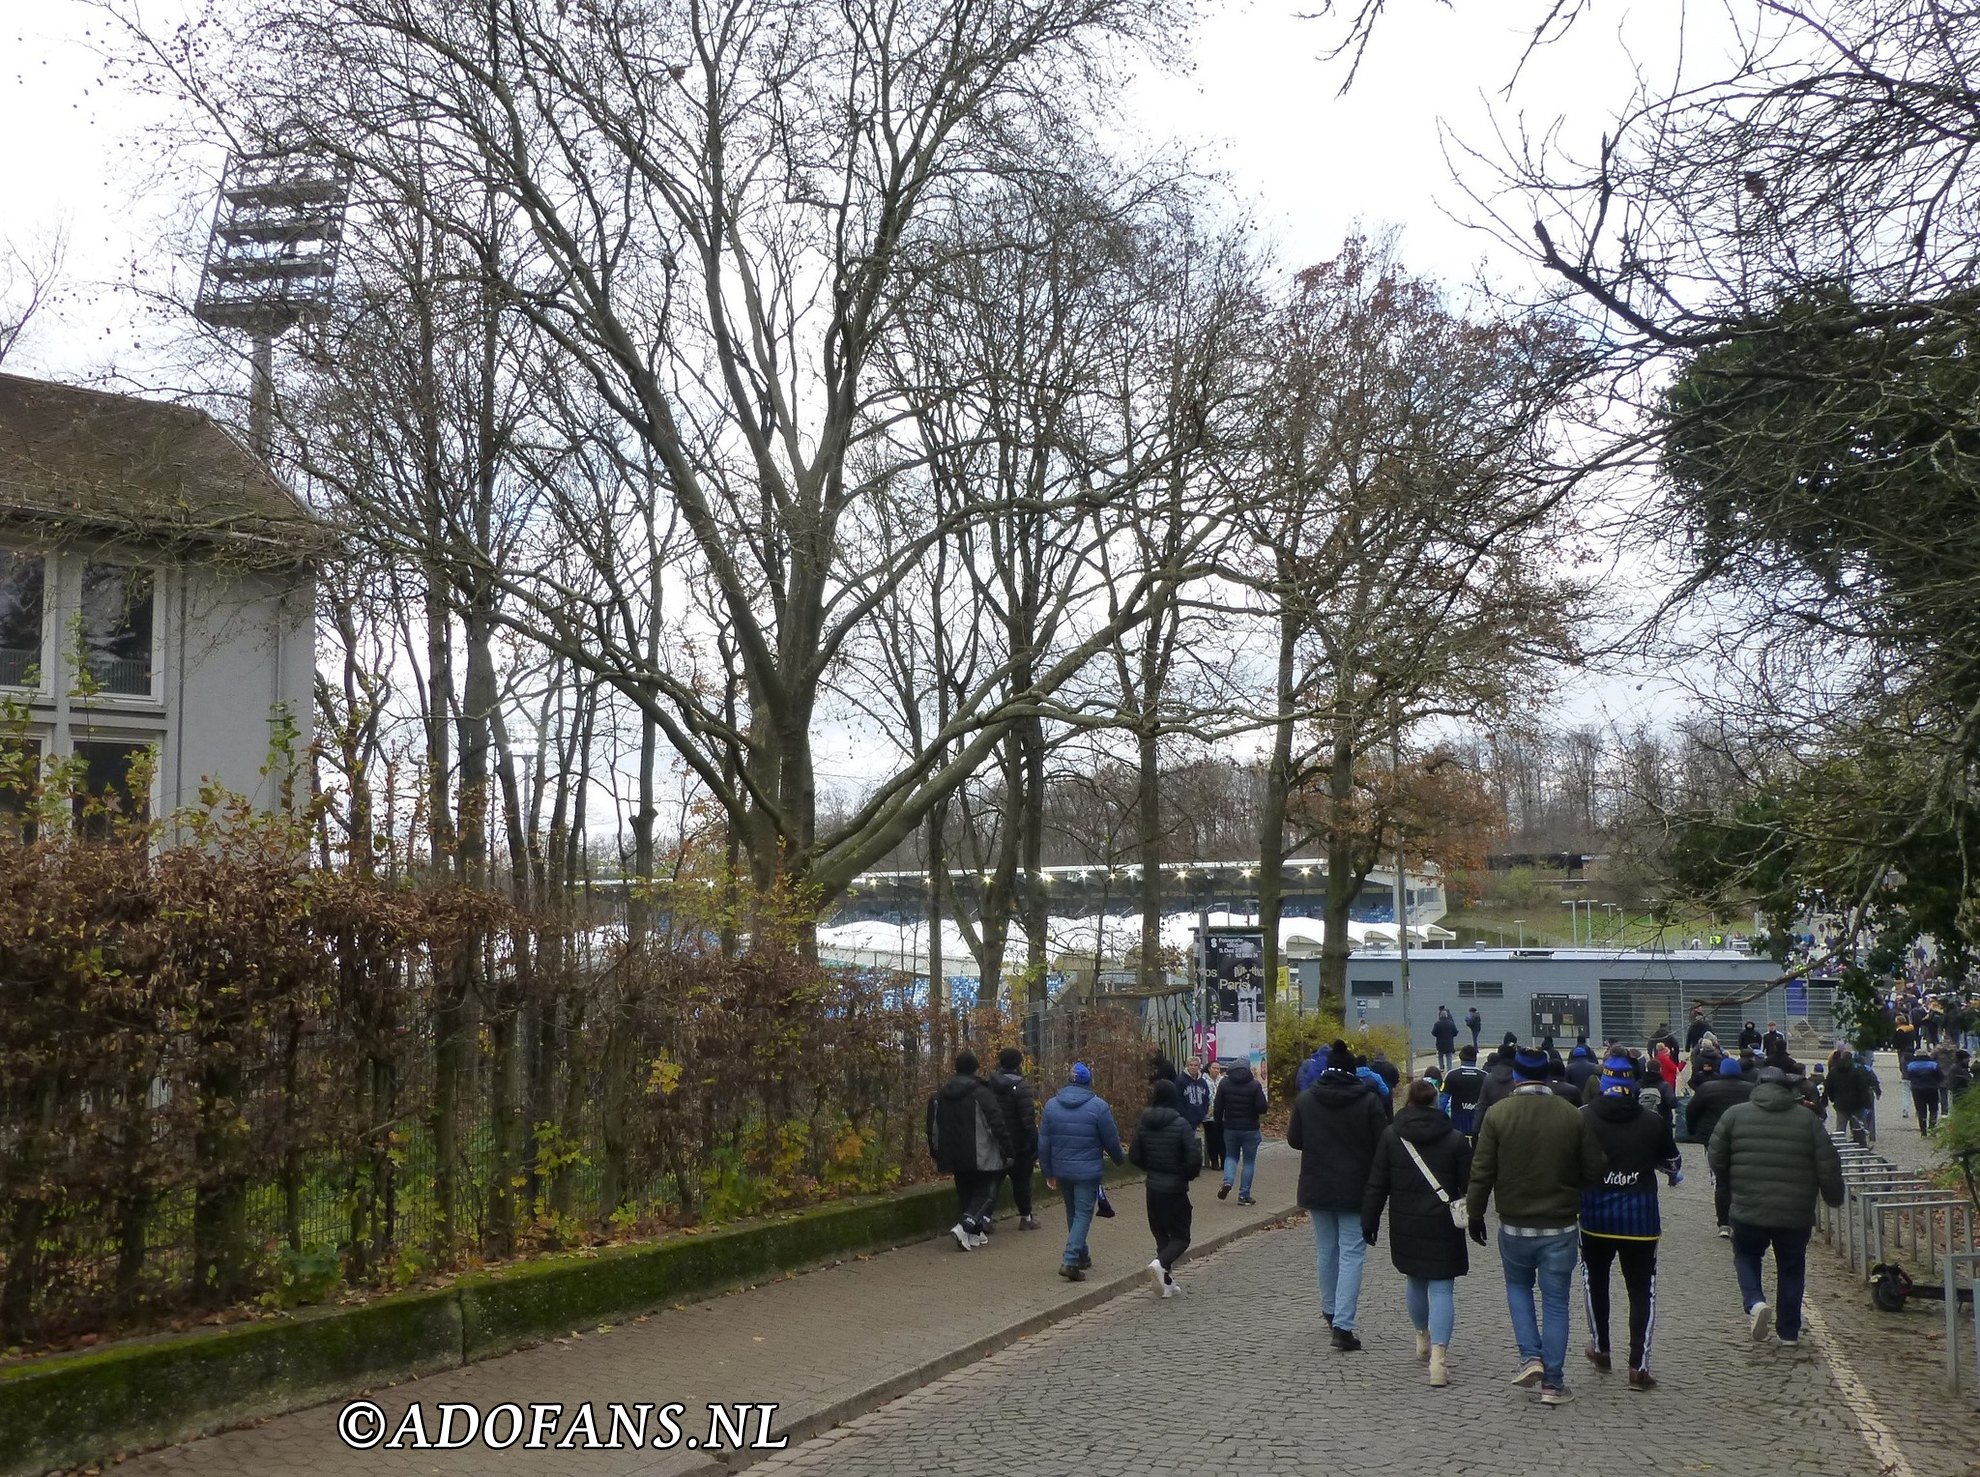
<point x="1464" y="1086"/>
<point x="969" y="1138"/>
<point x="1336" y="1124"/>
<point x="1535" y="1155"/>
<point x="1239" y="1109"/>
<point x="1165" y="1148"/>
<point x="1708" y="1105"/>
<point x="1020" y="1099"/>
<point x="1777" y="1160"/>
<point x="1620" y="1220"/>
<point x="1075" y="1137"/>
<point x="1581" y="1066"/>
<point x="1420" y="1169"/>
<point x="1498" y="1081"/>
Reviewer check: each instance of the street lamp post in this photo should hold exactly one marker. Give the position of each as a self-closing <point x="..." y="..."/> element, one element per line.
<point x="1573" y="905"/>
<point x="1521" y="923"/>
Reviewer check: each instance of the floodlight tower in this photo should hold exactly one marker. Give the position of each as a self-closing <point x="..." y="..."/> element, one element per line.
<point x="271" y="259"/>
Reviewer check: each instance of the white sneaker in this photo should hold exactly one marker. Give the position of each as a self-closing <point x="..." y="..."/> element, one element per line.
<point x="1158" y="1275"/>
<point x="1756" y="1318"/>
<point x="979" y="1239"/>
<point x="964" y="1241"/>
<point x="1725" y="1233"/>
<point x="1171" y="1288"/>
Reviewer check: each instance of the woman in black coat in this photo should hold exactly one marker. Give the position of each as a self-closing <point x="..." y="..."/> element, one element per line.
<point x="1425" y="1243"/>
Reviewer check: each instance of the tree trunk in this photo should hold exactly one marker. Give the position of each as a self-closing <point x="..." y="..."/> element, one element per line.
<point x="1272" y="819"/>
<point x="1343" y="869"/>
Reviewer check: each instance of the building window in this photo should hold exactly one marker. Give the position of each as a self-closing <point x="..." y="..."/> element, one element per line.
<point x="117" y="602"/>
<point x="20" y="767"/>
<point x="1481" y="989"/>
<point x="106" y="786"/>
<point x="1362" y="989"/>
<point x="21" y="580"/>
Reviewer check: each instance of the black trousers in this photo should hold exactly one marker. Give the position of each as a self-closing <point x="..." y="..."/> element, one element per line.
<point x="1169" y="1217"/>
<point x="976" y="1196"/>
<point x="1722" y="1198"/>
<point x="1926" y="1101"/>
<point x="1213" y="1145"/>
<point x="1021" y="1171"/>
<point x="1639" y="1272"/>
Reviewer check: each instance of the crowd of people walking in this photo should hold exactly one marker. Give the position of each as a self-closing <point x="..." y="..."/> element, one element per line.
<point x="1567" y="1151"/>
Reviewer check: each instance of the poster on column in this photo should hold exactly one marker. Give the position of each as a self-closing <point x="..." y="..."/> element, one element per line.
<point x="1233" y="979"/>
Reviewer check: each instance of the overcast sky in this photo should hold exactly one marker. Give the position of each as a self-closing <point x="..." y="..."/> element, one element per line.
<point x="1249" y="90"/>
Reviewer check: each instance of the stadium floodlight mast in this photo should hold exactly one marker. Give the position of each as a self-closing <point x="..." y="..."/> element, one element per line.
<point x="271" y="259"/>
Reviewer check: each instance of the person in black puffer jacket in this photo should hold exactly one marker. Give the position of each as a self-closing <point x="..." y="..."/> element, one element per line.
<point x="969" y="1138"/>
<point x="1708" y="1105"/>
<point x="1620" y="1218"/>
<point x="1336" y="1124"/>
<point x="1165" y="1147"/>
<point x="1425" y="1244"/>
<point x="1020" y="1100"/>
<point x="1239" y="1107"/>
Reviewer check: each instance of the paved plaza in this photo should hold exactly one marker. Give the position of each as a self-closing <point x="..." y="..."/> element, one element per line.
<point x="1235" y="1376"/>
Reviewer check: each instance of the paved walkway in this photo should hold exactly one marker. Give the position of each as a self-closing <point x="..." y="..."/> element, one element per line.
<point x="823" y="1347"/>
<point x="1239" y="1377"/>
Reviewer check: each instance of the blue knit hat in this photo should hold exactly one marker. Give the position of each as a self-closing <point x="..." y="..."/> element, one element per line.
<point x="1082" y="1074"/>
<point x="1729" y="1066"/>
<point x="1618" y="1076"/>
<point x="1530" y="1063"/>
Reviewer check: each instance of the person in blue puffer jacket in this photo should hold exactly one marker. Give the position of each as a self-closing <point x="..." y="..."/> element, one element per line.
<point x="1076" y="1136"/>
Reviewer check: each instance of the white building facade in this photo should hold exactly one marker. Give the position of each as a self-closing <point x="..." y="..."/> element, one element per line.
<point x="156" y="593"/>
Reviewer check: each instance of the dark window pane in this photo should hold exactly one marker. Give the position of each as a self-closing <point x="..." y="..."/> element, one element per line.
<point x="106" y="787"/>
<point x="21" y="581"/>
<point x="116" y="612"/>
<point x="19" y="760"/>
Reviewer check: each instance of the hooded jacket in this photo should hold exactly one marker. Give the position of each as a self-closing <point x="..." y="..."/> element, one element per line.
<point x="1166" y="1147"/>
<point x="1498" y="1084"/>
<point x="1636" y="1143"/>
<point x="1194" y="1093"/>
<point x="1076" y="1135"/>
<point x="1581" y="1066"/>
<point x="1778" y="1157"/>
<point x="1444" y="1032"/>
<point x="1020" y="1103"/>
<point x="1240" y="1101"/>
<point x="967" y="1130"/>
<point x="1709" y="1104"/>
<point x="1849" y="1087"/>
<point x="1336" y="1124"/>
<point x="1423" y="1240"/>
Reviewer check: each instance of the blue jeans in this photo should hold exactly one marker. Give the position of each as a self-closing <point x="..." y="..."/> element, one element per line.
<point x="1241" y="1143"/>
<point x="1432" y="1307"/>
<point x="1080" y="1197"/>
<point x="1549" y="1260"/>
<point x="1339" y="1253"/>
<point x="1750" y="1245"/>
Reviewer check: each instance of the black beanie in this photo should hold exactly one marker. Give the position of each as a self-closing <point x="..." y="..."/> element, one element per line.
<point x="1163" y="1094"/>
<point x="1339" y="1058"/>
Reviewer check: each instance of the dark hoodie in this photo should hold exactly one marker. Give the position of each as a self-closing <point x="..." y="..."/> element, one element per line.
<point x="1637" y="1143"/>
<point x="1423" y="1240"/>
<point x="1498" y="1084"/>
<point x="1240" y="1101"/>
<point x="1335" y="1125"/>
<point x="1166" y="1147"/>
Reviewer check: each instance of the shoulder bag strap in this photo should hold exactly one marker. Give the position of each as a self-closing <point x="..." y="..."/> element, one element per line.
<point x="1436" y="1184"/>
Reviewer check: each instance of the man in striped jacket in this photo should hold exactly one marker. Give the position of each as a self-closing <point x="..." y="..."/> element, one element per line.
<point x="1620" y="1218"/>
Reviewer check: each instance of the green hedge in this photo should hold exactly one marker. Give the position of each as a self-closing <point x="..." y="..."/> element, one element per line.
<point x="72" y="1409"/>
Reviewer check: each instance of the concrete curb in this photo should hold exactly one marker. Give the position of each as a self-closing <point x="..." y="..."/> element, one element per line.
<point x="872" y="1397"/>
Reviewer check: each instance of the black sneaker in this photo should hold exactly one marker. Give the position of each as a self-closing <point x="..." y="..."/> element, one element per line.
<point x="1223" y="1192"/>
<point x="1345" y="1342"/>
<point x="1246" y="1200"/>
<point x="1072" y="1273"/>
